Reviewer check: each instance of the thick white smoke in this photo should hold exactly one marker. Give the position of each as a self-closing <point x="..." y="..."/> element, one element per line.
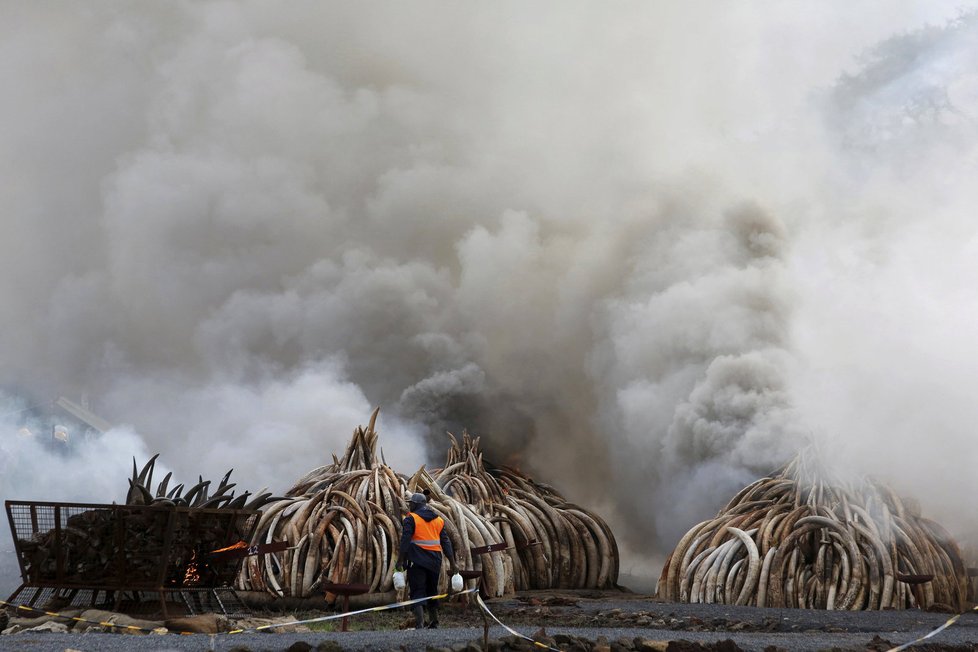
<point x="642" y="249"/>
<point x="36" y="466"/>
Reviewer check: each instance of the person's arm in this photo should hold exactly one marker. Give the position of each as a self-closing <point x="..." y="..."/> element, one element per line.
<point x="448" y="551"/>
<point x="407" y="531"/>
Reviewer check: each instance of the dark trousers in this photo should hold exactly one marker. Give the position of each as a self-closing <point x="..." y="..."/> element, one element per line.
<point x="423" y="583"/>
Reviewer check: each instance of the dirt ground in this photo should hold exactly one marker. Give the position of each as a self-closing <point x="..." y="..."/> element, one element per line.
<point x="586" y="621"/>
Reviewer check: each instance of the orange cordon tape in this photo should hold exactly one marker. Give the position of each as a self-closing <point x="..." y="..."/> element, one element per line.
<point x="926" y="636"/>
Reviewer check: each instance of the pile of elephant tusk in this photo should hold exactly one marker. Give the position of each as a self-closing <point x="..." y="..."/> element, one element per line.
<point x="199" y="495"/>
<point x="550" y="542"/>
<point x="342" y="523"/>
<point x="795" y="540"/>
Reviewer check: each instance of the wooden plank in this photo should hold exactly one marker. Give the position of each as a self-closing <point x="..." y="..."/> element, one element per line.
<point x="493" y="547"/>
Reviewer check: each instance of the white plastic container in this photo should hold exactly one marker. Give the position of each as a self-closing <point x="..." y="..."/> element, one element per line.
<point x="399" y="582"/>
<point x="457" y="582"/>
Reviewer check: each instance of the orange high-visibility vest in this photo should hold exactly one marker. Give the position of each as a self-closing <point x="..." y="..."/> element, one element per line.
<point x="427" y="534"/>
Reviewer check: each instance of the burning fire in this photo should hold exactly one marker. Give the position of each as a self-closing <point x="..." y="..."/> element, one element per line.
<point x="191" y="575"/>
<point x="233" y="546"/>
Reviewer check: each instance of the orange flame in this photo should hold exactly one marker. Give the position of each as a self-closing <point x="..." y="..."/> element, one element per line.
<point x="233" y="546"/>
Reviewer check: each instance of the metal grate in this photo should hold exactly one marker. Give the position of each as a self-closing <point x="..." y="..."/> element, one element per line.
<point x="220" y="600"/>
<point x="147" y="603"/>
<point x="122" y="546"/>
<point x="124" y="557"/>
<point x="60" y="599"/>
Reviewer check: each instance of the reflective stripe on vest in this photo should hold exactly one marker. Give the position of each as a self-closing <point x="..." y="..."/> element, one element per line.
<point x="427" y="534"/>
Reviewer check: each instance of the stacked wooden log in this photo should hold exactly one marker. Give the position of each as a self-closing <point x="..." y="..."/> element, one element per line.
<point x="799" y="539"/>
<point x="87" y="547"/>
<point x="550" y="543"/>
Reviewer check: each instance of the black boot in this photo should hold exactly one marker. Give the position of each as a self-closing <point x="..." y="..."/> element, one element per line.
<point x="418" y="611"/>
<point x="432" y="615"/>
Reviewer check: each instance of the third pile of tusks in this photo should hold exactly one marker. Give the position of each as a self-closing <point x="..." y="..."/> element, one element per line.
<point x="795" y="540"/>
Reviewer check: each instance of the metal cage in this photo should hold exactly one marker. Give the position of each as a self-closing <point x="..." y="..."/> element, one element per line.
<point x="116" y="549"/>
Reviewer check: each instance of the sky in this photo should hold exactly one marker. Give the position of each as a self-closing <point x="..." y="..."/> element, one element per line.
<point x="646" y="250"/>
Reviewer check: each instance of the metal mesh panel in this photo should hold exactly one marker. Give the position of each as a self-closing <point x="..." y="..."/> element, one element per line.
<point x="146" y="603"/>
<point x="223" y="601"/>
<point x="59" y="599"/>
<point x="122" y="546"/>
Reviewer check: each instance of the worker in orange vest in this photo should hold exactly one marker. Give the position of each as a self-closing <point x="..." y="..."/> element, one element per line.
<point x="423" y="541"/>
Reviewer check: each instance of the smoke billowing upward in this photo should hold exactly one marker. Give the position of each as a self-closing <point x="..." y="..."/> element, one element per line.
<point x="643" y="249"/>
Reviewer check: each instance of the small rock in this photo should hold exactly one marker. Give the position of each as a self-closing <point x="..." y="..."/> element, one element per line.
<point x="124" y="621"/>
<point x="521" y="645"/>
<point x="541" y="636"/>
<point x="649" y="645"/>
<point x="88" y="628"/>
<point x="202" y="624"/>
<point x="29" y="623"/>
<point x="49" y="626"/>
<point x="329" y="646"/>
<point x="299" y="646"/>
<point x="879" y="643"/>
<point x="578" y="645"/>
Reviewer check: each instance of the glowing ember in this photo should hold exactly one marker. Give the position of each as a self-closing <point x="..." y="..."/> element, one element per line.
<point x="192" y="575"/>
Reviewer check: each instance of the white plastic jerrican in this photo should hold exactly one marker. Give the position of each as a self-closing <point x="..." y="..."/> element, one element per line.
<point x="456" y="582"/>
<point x="399" y="582"/>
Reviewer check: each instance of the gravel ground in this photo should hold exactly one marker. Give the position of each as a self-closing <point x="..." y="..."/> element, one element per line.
<point x="612" y="616"/>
